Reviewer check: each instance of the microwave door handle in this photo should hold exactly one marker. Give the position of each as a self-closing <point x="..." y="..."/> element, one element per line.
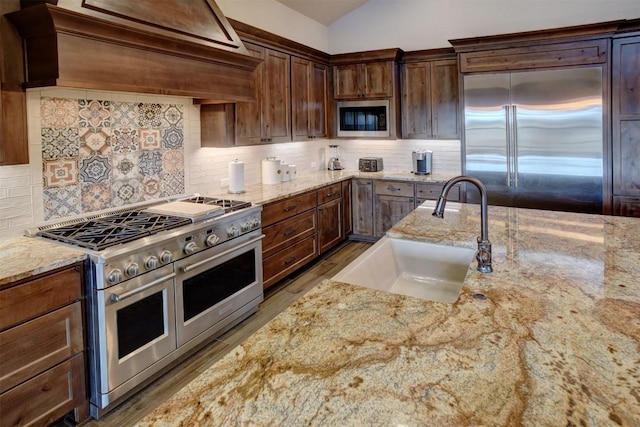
<point x="190" y="267"/>
<point x="125" y="295"/>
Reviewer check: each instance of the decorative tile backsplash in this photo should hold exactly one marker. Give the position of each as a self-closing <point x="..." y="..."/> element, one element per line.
<point x="101" y="154"/>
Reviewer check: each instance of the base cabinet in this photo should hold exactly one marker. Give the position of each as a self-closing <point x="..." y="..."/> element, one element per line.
<point x="300" y="228"/>
<point x="42" y="369"/>
<point x="362" y="208"/>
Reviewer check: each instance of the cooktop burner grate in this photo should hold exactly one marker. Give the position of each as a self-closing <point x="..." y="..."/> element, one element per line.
<point x="101" y="233"/>
<point x="227" y="204"/>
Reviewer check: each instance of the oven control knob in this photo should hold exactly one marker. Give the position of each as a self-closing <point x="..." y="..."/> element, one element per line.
<point x="246" y="226"/>
<point x="255" y="223"/>
<point x="212" y="239"/>
<point x="114" y="276"/>
<point x="233" y="231"/>
<point x="166" y="257"/>
<point x="190" y="248"/>
<point x="151" y="262"/>
<point x="132" y="269"/>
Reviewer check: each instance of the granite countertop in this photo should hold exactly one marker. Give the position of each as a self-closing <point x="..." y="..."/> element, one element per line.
<point x="24" y="257"/>
<point x="551" y="337"/>
<point x="263" y="194"/>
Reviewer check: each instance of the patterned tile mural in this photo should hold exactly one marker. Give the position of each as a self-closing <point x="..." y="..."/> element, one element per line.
<point x="101" y="154"/>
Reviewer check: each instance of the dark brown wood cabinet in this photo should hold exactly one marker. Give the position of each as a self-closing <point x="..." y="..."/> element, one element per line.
<point x="393" y="200"/>
<point x="309" y="90"/>
<point x="13" y="107"/>
<point x="367" y="80"/>
<point x="330" y="211"/>
<point x="42" y="374"/>
<point x="430" y="107"/>
<point x="268" y="120"/>
<point x="347" y="213"/>
<point x="626" y="125"/>
<point x="362" y="208"/>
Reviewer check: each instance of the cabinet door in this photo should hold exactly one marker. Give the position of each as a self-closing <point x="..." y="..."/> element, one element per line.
<point x="389" y="210"/>
<point x="309" y="99"/>
<point x="626" y="120"/>
<point x="318" y="106"/>
<point x="378" y="79"/>
<point x="249" y="114"/>
<point x="277" y="103"/>
<point x="347" y="213"/>
<point x="416" y="100"/>
<point x="346" y="82"/>
<point x="444" y="99"/>
<point x="362" y="206"/>
<point x="301" y="83"/>
<point x="329" y="225"/>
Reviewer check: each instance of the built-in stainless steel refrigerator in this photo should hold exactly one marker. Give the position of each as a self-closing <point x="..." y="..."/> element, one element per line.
<point x="535" y="138"/>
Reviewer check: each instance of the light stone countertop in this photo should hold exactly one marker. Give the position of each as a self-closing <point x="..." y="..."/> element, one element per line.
<point x="551" y="337"/>
<point x="24" y="257"/>
<point x="263" y="194"/>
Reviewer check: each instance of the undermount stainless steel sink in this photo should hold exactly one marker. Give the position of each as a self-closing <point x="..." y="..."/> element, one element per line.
<point x="423" y="270"/>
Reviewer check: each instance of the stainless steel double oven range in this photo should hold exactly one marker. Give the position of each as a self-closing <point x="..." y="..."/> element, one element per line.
<point x="162" y="280"/>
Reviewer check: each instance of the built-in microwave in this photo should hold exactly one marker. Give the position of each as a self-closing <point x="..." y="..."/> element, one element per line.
<point x="363" y="119"/>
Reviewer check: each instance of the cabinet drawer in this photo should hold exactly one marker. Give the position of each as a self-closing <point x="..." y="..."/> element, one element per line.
<point x="284" y="262"/>
<point x="279" y="236"/>
<point x="278" y="211"/>
<point x="36" y="297"/>
<point x="47" y="397"/>
<point x="330" y="192"/>
<point x="394" y="188"/>
<point x="432" y="192"/>
<point x="35" y="346"/>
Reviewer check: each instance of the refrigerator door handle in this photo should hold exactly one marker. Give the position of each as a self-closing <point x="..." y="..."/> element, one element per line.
<point x="507" y="115"/>
<point x="514" y="141"/>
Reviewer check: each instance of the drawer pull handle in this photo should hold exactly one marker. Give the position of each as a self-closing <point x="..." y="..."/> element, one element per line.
<point x="288" y="232"/>
<point x="330" y="194"/>
<point x="390" y="188"/>
<point x="290" y="260"/>
<point x="290" y="208"/>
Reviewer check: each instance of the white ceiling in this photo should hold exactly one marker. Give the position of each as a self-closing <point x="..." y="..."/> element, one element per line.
<point x="323" y="11"/>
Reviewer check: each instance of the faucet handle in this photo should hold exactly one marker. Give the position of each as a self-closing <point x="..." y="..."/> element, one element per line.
<point x="483" y="256"/>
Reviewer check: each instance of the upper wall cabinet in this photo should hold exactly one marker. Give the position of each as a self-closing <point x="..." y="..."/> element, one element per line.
<point x="371" y="80"/>
<point x="268" y="120"/>
<point x="430" y="95"/>
<point x="309" y="88"/>
<point x="626" y="125"/>
<point x="362" y="75"/>
<point x="561" y="47"/>
<point x="13" y="109"/>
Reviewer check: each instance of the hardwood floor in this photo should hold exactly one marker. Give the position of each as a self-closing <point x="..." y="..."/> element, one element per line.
<point x="277" y="298"/>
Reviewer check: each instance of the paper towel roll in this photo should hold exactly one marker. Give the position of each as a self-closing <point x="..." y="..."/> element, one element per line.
<point x="284" y="167"/>
<point x="236" y="177"/>
<point x="271" y="171"/>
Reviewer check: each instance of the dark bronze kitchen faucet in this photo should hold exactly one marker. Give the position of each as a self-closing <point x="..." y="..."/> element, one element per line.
<point x="483" y="256"/>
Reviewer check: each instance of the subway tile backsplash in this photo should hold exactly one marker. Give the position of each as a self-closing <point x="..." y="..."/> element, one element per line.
<point x="91" y="150"/>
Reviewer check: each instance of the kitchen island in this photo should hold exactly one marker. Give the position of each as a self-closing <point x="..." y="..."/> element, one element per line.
<point x="551" y="337"/>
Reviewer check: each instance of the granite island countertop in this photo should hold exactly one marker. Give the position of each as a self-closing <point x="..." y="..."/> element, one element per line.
<point x="551" y="337"/>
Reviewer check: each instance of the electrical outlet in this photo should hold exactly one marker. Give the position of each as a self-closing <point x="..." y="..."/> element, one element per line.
<point x="224" y="182"/>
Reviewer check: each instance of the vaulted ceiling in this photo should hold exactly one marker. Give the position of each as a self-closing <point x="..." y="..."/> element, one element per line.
<point x="323" y="11"/>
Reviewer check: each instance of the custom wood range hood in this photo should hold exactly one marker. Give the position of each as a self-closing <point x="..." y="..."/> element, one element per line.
<point x="170" y="47"/>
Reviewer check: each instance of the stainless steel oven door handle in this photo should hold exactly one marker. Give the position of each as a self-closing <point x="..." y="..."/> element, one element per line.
<point x="190" y="267"/>
<point x="118" y="298"/>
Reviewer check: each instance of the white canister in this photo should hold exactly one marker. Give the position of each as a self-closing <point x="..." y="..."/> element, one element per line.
<point x="236" y="177"/>
<point x="271" y="173"/>
<point x="284" y="167"/>
<point x="293" y="173"/>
